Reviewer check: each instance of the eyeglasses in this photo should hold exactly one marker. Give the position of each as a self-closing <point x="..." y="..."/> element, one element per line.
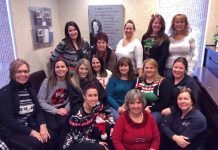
<point x="22" y="71"/>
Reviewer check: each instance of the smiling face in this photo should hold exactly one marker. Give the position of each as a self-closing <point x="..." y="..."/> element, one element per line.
<point x="124" y="69"/>
<point x="156" y="26"/>
<point x="96" y="65"/>
<point x="22" y="74"/>
<point x="60" y="70"/>
<point x="73" y="33"/>
<point x="179" y="24"/>
<point x="95" y="27"/>
<point x="136" y="107"/>
<point x="83" y="71"/>
<point x="101" y="45"/>
<point x="149" y="70"/>
<point x="91" y="98"/>
<point x="178" y="70"/>
<point x="129" y="30"/>
<point x="184" y="102"/>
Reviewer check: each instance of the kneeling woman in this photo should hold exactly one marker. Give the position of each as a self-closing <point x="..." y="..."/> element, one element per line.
<point x="186" y="126"/>
<point x="21" y="120"/>
<point x="136" y="129"/>
<point x="79" y="133"/>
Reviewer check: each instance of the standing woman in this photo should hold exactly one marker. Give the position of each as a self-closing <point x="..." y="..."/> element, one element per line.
<point x="186" y="126"/>
<point x="103" y="75"/>
<point x="82" y="76"/>
<point x="72" y="47"/>
<point x="22" y="122"/>
<point x="155" y="88"/>
<point x="102" y="49"/>
<point x="96" y="28"/>
<point x="131" y="47"/>
<point x="136" y="129"/>
<point x="53" y="96"/>
<point x="183" y="43"/>
<point x="155" y="42"/>
<point x="119" y="84"/>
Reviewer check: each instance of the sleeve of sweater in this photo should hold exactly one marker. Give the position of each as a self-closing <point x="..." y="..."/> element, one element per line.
<point x="7" y="112"/>
<point x="164" y="96"/>
<point x="166" y="125"/>
<point x="58" y="52"/>
<point x="196" y="125"/>
<point x="117" y="136"/>
<point x="164" y="49"/>
<point x="101" y="92"/>
<point x="110" y="93"/>
<point x="75" y="99"/>
<point x="138" y="54"/>
<point x="43" y="98"/>
<point x="194" y="53"/>
<point x="156" y="136"/>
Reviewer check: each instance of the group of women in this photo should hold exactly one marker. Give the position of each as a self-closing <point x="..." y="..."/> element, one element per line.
<point x="98" y="98"/>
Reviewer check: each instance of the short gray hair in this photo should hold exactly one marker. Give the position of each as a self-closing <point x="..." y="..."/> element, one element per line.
<point x="132" y="95"/>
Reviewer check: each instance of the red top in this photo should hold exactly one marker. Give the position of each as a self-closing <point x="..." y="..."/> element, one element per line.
<point x="128" y="135"/>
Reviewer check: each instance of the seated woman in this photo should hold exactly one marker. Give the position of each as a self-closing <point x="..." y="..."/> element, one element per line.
<point x="103" y="75"/>
<point x="186" y="126"/>
<point x="53" y="95"/>
<point x="21" y="120"/>
<point x="83" y="74"/>
<point x="119" y="84"/>
<point x="179" y="80"/>
<point x="135" y="129"/>
<point x="79" y="131"/>
<point x="102" y="49"/>
<point x="155" y="88"/>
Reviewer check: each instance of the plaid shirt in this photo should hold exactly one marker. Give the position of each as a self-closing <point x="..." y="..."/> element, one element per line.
<point x="3" y="146"/>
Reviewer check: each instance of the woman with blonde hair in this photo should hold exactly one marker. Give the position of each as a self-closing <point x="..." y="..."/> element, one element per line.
<point x="183" y="43"/>
<point x="155" y="88"/>
<point x="83" y="75"/>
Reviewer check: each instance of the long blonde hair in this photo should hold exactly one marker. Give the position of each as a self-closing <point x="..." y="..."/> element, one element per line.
<point x="76" y="78"/>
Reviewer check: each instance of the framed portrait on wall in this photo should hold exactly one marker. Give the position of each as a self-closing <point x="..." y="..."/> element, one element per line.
<point x="42" y="32"/>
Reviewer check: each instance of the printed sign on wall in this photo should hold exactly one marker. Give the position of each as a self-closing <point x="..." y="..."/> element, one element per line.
<point x="109" y="19"/>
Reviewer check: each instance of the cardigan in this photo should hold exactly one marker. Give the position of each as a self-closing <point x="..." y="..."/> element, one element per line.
<point x="9" y="110"/>
<point x="128" y="135"/>
<point x="71" y="56"/>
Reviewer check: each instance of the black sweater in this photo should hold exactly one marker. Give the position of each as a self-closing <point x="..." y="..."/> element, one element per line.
<point x="9" y="110"/>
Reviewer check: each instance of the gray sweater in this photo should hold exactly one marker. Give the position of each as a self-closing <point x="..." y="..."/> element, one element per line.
<point x="52" y="98"/>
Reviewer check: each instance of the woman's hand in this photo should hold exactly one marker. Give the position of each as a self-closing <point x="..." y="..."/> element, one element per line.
<point x="111" y="132"/>
<point x="104" y="144"/>
<point x="166" y="111"/>
<point x="181" y="140"/>
<point x="37" y="135"/>
<point x="62" y="111"/>
<point x="148" y="109"/>
<point x="44" y="133"/>
<point x="121" y="109"/>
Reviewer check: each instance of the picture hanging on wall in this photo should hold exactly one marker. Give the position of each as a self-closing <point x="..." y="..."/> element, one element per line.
<point x="42" y="32"/>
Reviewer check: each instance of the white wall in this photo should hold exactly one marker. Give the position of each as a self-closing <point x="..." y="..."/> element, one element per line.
<point x="23" y="35"/>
